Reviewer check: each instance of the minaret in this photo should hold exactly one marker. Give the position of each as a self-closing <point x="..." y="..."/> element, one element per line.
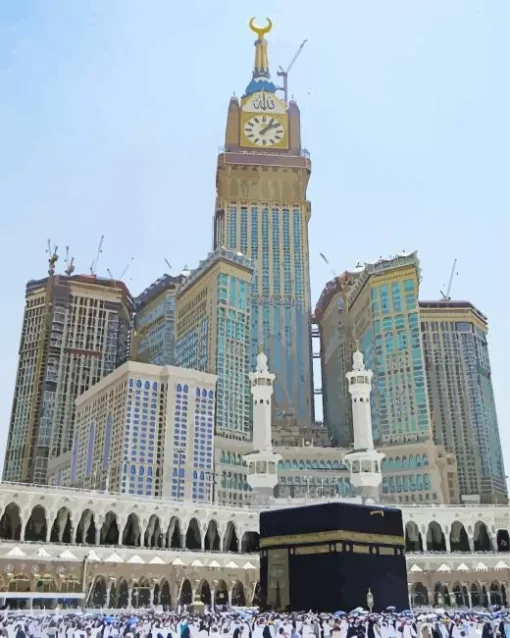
<point x="262" y="462"/>
<point x="364" y="461"/>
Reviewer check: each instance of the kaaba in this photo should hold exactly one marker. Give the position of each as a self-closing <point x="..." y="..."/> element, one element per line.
<point x="333" y="556"/>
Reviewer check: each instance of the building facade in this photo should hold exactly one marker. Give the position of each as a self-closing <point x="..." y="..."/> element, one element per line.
<point x="461" y="398"/>
<point x="375" y="304"/>
<point x="154" y="323"/>
<point x="213" y="334"/>
<point x="143" y="430"/>
<point x="262" y="211"/>
<point x="76" y="329"/>
<point x="419" y="473"/>
<point x="382" y="299"/>
<point x="337" y="345"/>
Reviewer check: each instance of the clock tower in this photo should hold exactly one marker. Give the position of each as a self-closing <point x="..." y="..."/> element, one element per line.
<point x="262" y="211"/>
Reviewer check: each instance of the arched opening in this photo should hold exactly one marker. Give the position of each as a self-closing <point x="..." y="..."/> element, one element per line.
<point x="62" y="528"/>
<point x="153" y="534"/>
<point x="482" y="540"/>
<point x="98" y="597"/>
<point x="476" y="596"/>
<point x="20" y="584"/>
<point x="110" y="530"/>
<point x="37" y="525"/>
<point x="435" y="538"/>
<point x="165" y="599"/>
<point x="420" y="595"/>
<point x="131" y="533"/>
<point x="441" y="595"/>
<point x="212" y="537"/>
<point x="250" y="543"/>
<point x="495" y="591"/>
<point x="123" y="595"/>
<point x="45" y="584"/>
<point x="460" y="595"/>
<point x="503" y="540"/>
<point x="114" y="596"/>
<point x="414" y="542"/>
<point x="141" y="594"/>
<point x="221" y="594"/>
<point x="186" y="595"/>
<point x="174" y="534"/>
<point x="86" y="530"/>
<point x="70" y="585"/>
<point x="193" y="537"/>
<point x="238" y="597"/>
<point x="10" y="523"/>
<point x="157" y="595"/>
<point x="459" y="541"/>
<point x="230" y="540"/>
<point x="204" y="591"/>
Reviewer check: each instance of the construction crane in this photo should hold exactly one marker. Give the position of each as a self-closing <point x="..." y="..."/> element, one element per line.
<point x="93" y="265"/>
<point x="446" y="296"/>
<point x="126" y="268"/>
<point x="52" y="258"/>
<point x="285" y="74"/>
<point x="325" y="260"/>
<point x="69" y="263"/>
<point x="122" y="273"/>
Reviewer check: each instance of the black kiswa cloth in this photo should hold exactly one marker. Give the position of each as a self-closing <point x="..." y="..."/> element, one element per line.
<point x="331" y="516"/>
<point x="330" y="556"/>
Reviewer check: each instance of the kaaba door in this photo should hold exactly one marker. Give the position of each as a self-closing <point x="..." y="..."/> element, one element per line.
<point x="278" y="586"/>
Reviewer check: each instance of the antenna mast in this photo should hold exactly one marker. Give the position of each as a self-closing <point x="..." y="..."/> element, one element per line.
<point x="285" y="74"/>
<point x="446" y="296"/>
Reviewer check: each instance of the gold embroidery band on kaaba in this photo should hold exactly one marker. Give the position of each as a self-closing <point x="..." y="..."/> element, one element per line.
<point x="308" y="550"/>
<point x="332" y="536"/>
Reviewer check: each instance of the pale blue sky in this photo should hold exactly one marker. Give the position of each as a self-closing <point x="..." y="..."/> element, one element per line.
<point x="112" y="112"/>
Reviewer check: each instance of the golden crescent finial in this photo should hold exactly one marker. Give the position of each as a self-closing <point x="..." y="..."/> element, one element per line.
<point x="261" y="31"/>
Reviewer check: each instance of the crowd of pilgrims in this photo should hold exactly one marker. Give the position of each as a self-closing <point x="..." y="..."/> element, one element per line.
<point x="252" y="624"/>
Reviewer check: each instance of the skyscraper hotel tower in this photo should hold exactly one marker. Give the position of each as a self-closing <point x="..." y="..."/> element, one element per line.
<point x="461" y="398"/>
<point x="262" y="211"/>
<point x="76" y="330"/>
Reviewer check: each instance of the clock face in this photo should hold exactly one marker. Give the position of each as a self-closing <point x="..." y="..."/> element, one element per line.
<point x="264" y="130"/>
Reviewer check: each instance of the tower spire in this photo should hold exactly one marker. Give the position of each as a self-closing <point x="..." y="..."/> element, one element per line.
<point x="261" y="66"/>
<point x="261" y="78"/>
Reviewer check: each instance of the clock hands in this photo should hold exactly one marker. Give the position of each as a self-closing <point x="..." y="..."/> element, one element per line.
<point x="268" y="127"/>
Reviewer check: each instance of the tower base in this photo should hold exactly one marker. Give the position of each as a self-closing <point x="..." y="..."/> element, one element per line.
<point x="365" y="473"/>
<point x="262" y="497"/>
